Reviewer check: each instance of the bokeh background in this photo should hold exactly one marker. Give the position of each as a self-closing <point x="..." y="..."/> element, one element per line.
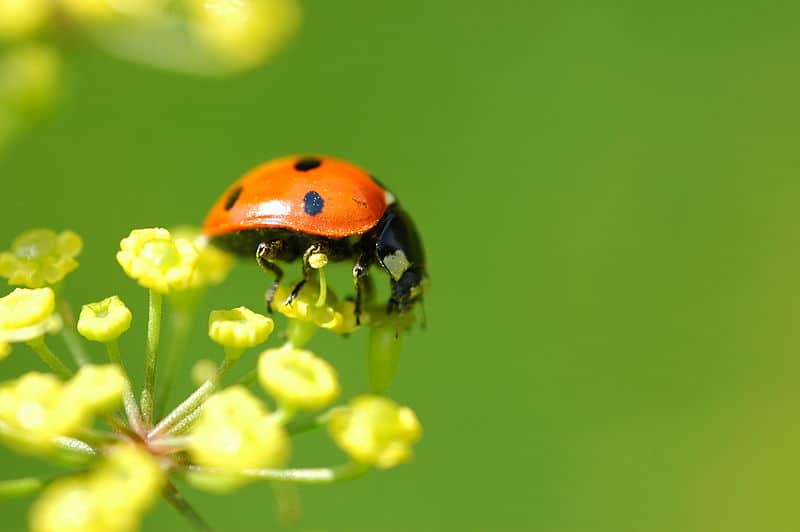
<point x="608" y="195"/>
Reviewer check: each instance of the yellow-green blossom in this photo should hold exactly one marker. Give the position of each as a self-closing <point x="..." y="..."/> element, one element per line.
<point x="111" y="498"/>
<point x="239" y="328"/>
<point x="38" y="407"/>
<point x="332" y="315"/>
<point x="105" y="320"/>
<point x="297" y="378"/>
<point x="40" y="257"/>
<point x="244" y="32"/>
<point x="158" y="261"/>
<point x="213" y="264"/>
<point x="374" y="430"/>
<point x="20" y="18"/>
<point x="26" y="314"/>
<point x="234" y="432"/>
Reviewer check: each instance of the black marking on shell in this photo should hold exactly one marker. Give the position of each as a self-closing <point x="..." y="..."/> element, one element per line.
<point x="307" y="163"/>
<point x="233" y="197"/>
<point x="313" y="203"/>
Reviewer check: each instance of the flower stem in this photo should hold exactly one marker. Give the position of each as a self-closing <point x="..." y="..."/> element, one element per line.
<point x="71" y="340"/>
<point x="50" y="359"/>
<point x="180" y="325"/>
<point x="20" y="487"/>
<point x="128" y="399"/>
<point x="191" y="403"/>
<point x="317" y="475"/>
<point x="176" y="500"/>
<point x="151" y="358"/>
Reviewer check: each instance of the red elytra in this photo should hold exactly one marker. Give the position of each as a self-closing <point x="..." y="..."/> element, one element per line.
<point x="335" y="200"/>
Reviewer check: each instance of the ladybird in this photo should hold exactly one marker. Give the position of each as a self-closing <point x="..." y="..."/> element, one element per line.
<point x="293" y="207"/>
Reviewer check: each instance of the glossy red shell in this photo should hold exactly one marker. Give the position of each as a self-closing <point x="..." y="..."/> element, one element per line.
<point x="276" y="195"/>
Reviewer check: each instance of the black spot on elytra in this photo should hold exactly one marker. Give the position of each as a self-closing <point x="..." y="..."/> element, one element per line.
<point x="313" y="203"/>
<point x="233" y="197"/>
<point x="307" y="163"/>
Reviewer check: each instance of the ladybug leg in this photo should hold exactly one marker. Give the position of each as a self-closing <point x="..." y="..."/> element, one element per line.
<point x="308" y="271"/>
<point x="263" y="253"/>
<point x="362" y="282"/>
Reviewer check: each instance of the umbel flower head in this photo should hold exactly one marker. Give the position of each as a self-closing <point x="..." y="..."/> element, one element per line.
<point x="26" y="314"/>
<point x="239" y="328"/>
<point x="105" y="320"/>
<point x="40" y="257"/>
<point x="38" y="407"/>
<point x="235" y="432"/>
<point x="328" y="314"/>
<point x="297" y="378"/>
<point x="374" y="430"/>
<point x="112" y="498"/>
<point x="158" y="261"/>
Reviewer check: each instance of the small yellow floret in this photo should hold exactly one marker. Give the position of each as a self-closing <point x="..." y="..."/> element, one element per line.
<point x="234" y="432"/>
<point x="21" y="18"/>
<point x="105" y="320"/>
<point x="156" y="260"/>
<point x="297" y="378"/>
<point x="375" y="430"/>
<point x="112" y="498"/>
<point x="40" y="257"/>
<point x="239" y="328"/>
<point x="244" y="32"/>
<point x="213" y="264"/>
<point x="26" y="314"/>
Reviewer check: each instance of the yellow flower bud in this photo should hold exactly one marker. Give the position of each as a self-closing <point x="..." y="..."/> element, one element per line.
<point x="240" y="328"/>
<point x="96" y="388"/>
<point x="374" y="430"/>
<point x="233" y="433"/>
<point x="105" y="320"/>
<point x="40" y="257"/>
<point x="20" y="18"/>
<point x="127" y="483"/>
<point x="111" y="498"/>
<point x="331" y="315"/>
<point x="297" y="378"/>
<point x="156" y="260"/>
<point x="213" y="264"/>
<point x="26" y="314"/>
<point x="244" y="32"/>
<point x="66" y="505"/>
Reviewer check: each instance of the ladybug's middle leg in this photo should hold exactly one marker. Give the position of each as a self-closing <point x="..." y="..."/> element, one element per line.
<point x="308" y="271"/>
<point x="265" y="251"/>
<point x="362" y="282"/>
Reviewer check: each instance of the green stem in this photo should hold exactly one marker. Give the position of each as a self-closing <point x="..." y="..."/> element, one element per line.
<point x="50" y="359"/>
<point x="156" y="301"/>
<point x="128" y="399"/>
<point x="20" y="487"/>
<point x="176" y="500"/>
<point x="180" y="326"/>
<point x="305" y="425"/>
<point x="71" y="340"/>
<point x="318" y="475"/>
<point x="191" y="403"/>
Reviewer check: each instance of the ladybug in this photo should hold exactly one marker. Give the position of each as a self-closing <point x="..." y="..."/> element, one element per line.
<point x="294" y="207"/>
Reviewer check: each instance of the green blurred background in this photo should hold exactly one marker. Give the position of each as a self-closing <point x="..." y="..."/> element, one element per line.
<point x="608" y="196"/>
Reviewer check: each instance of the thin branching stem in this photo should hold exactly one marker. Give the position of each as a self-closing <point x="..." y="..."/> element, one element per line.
<point x="180" y="325"/>
<point x="20" y="487"/>
<point x="49" y="358"/>
<point x="176" y="500"/>
<point x="315" y="475"/>
<point x="156" y="302"/>
<point x="128" y="399"/>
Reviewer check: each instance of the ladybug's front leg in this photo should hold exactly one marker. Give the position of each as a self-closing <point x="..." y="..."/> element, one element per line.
<point x="362" y="282"/>
<point x="266" y="251"/>
<point x="308" y="271"/>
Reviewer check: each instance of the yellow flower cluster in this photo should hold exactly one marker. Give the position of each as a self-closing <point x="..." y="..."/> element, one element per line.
<point x="38" y="407"/>
<point x="298" y="378"/>
<point x="213" y="264"/>
<point x="374" y="430"/>
<point x="40" y="257"/>
<point x="112" y="498"/>
<point x="26" y="314"/>
<point x="235" y="432"/>
<point x="157" y="260"/>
